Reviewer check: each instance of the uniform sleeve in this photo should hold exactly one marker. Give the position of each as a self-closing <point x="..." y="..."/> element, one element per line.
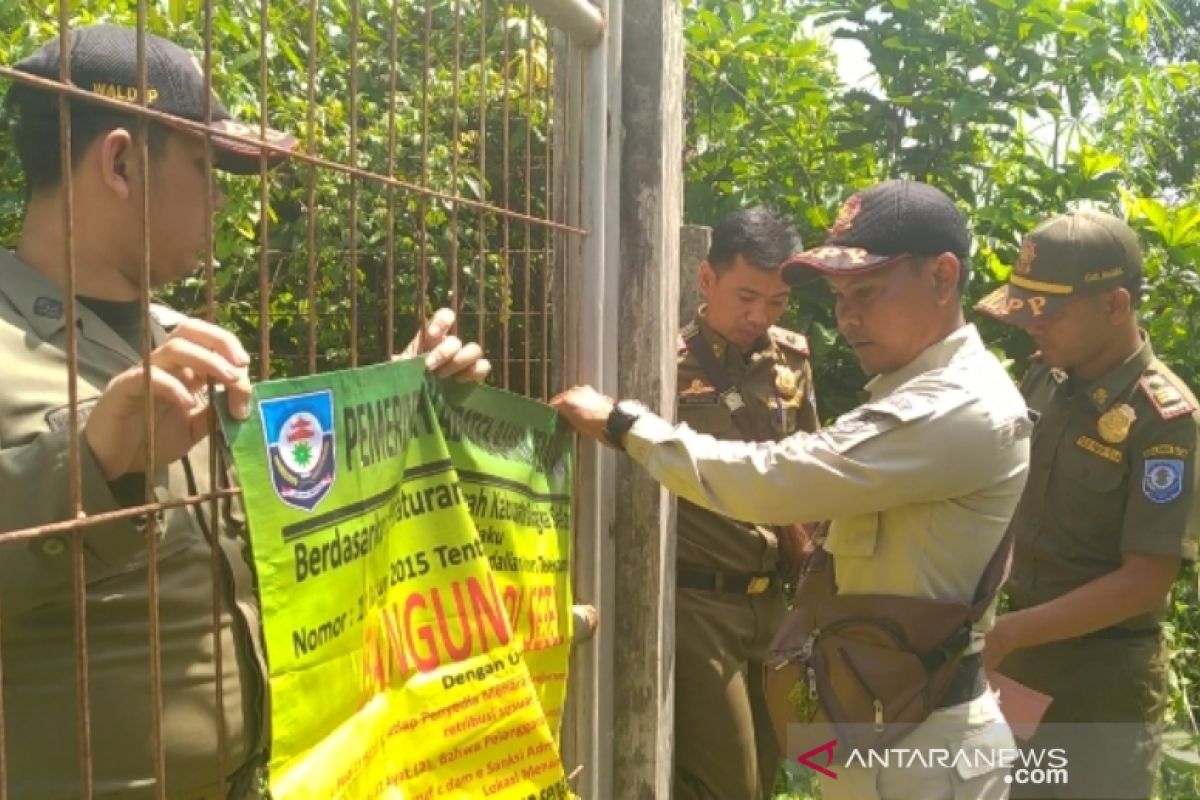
<point x="35" y="490"/>
<point x="1162" y="512"/>
<point x="919" y="446"/>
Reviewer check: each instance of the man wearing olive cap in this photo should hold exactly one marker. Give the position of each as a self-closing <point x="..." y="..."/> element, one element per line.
<point x="909" y="518"/>
<point x="211" y="666"/>
<point x="1110" y="511"/>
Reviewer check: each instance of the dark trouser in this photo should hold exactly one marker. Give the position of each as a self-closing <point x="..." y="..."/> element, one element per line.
<point x="1109" y="696"/>
<point x="725" y="748"/>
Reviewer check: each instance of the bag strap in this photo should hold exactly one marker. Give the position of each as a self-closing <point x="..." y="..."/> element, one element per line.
<point x="719" y="377"/>
<point x="819" y="584"/>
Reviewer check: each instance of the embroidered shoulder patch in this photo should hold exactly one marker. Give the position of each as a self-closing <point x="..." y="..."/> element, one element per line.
<point x="1163" y="479"/>
<point x="58" y="419"/>
<point x="789" y="340"/>
<point x="1168" y="400"/>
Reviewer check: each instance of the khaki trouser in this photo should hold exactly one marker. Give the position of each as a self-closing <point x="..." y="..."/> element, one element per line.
<point x="1109" y="697"/>
<point x="976" y="725"/>
<point x="725" y="748"/>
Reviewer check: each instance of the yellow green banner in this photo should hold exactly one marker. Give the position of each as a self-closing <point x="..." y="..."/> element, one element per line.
<point x="411" y="542"/>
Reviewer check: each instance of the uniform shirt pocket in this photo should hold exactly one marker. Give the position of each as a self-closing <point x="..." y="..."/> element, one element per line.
<point x="1087" y="499"/>
<point x="706" y="413"/>
<point x="853" y="537"/>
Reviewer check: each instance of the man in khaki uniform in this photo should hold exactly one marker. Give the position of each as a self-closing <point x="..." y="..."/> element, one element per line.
<point x="1110" y="512"/>
<point x="908" y="517"/>
<point x="210" y="639"/>
<point x="740" y="378"/>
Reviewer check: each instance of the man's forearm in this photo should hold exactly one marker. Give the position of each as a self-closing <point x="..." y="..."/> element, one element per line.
<point x="1136" y="587"/>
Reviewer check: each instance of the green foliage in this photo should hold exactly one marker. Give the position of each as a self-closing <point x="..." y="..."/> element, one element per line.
<point x="1017" y="109"/>
<point x="469" y="120"/>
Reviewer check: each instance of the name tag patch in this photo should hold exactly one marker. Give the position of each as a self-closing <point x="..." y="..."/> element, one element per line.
<point x="1096" y="448"/>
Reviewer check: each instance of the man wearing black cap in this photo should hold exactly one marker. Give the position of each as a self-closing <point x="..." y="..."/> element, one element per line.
<point x="214" y="710"/>
<point x="919" y="481"/>
<point x="739" y="377"/>
<point x="1112" y="506"/>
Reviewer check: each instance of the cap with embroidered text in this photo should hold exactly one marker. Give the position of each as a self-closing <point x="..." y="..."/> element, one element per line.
<point x="1082" y="252"/>
<point x="104" y="60"/>
<point x="881" y="225"/>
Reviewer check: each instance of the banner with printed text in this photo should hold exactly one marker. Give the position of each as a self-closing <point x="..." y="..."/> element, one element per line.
<point x="512" y="463"/>
<point x="412" y="548"/>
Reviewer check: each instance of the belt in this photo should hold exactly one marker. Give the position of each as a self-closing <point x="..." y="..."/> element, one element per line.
<point x="732" y="582"/>
<point x="968" y="683"/>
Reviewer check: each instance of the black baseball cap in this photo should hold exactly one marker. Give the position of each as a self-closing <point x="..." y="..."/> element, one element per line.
<point x="104" y="61"/>
<point x="1082" y="252"/>
<point x="880" y="225"/>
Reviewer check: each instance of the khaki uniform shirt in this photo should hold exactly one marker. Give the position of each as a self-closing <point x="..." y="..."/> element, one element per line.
<point x="1113" y="471"/>
<point x="36" y="585"/>
<point x="919" y="482"/>
<point x="774" y="380"/>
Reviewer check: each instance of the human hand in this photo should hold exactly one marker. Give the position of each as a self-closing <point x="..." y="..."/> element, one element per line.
<point x="797" y="542"/>
<point x="446" y="356"/>
<point x="997" y="644"/>
<point x="195" y="353"/>
<point x="585" y="409"/>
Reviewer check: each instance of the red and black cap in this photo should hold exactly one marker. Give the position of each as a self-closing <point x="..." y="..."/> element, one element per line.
<point x="882" y="224"/>
<point x="104" y="61"/>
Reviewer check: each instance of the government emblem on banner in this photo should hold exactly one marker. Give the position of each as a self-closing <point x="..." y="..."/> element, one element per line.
<point x="298" y="431"/>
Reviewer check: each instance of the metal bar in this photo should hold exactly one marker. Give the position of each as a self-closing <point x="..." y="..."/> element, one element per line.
<point x="267" y="148"/>
<point x="151" y="531"/>
<point x="423" y="208"/>
<point x="481" y="330"/>
<point x="390" y="290"/>
<point x="353" y="183"/>
<point x="456" y="88"/>
<point x="214" y="515"/>
<point x="96" y="520"/>
<point x="547" y="209"/>
<point x="505" y="273"/>
<point x="581" y="19"/>
<point x="591" y="294"/>
<point x="311" y="137"/>
<point x="79" y="578"/>
<point x="526" y="389"/>
<point x="264" y="201"/>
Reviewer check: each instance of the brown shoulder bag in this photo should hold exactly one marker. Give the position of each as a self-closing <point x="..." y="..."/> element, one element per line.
<point x="876" y="665"/>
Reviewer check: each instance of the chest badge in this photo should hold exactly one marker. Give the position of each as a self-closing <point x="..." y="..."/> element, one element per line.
<point x="787" y="382"/>
<point x="1115" y="423"/>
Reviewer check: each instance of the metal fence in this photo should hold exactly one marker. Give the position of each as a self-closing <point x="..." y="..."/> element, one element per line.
<point x="445" y="146"/>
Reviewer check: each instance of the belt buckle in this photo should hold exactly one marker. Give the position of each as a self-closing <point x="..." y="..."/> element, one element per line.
<point x="758" y="584"/>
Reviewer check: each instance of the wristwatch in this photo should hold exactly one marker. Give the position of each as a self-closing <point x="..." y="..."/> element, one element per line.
<point x="620" y="420"/>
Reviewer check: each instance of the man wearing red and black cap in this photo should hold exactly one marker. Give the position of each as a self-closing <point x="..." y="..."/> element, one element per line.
<point x="214" y="708"/>
<point x="1111" y="510"/>
<point x="919" y="481"/>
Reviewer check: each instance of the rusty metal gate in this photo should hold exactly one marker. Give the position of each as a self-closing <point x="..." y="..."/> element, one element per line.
<point x="444" y="149"/>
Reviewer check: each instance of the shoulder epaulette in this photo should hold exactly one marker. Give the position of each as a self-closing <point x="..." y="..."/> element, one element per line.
<point x="1169" y="399"/>
<point x="789" y="340"/>
<point x="685" y="333"/>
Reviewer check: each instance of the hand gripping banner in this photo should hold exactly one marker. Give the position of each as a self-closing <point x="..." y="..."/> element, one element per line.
<point x="411" y="543"/>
